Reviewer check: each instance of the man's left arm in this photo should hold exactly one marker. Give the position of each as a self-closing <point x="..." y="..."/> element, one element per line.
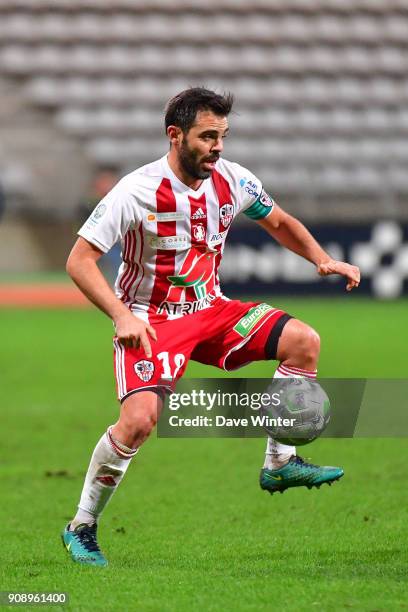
<point x="293" y="235"/>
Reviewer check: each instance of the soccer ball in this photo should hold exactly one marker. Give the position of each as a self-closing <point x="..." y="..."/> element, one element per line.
<point x="304" y="402"/>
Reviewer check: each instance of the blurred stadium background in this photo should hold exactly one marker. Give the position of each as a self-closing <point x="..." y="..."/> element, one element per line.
<point x="321" y="98"/>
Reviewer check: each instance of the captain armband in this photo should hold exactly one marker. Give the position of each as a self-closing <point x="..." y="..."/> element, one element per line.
<point x="261" y="207"/>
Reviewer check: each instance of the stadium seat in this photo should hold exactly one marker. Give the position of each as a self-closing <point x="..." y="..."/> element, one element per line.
<point x="365" y="29"/>
<point x="395" y="29"/>
<point x="16" y="28"/>
<point x="354" y="5"/>
<point x="377" y="121"/>
<point x="45" y="91"/>
<point x="384" y="90"/>
<point x="127" y="153"/>
<point x="13" y="60"/>
<point x="330" y="28"/>
<point x="16" y="177"/>
<point x="396" y="149"/>
<point x="356" y="60"/>
<point x="392" y="60"/>
<point x="294" y="28"/>
<point x="398" y="178"/>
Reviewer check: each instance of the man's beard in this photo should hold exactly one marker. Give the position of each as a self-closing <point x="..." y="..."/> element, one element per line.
<point x="190" y="163"/>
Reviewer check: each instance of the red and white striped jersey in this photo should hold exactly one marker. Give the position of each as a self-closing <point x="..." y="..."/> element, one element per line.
<point x="172" y="236"/>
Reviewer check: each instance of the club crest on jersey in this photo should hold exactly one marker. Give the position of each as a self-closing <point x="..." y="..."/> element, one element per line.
<point x="199" y="232"/>
<point x="144" y="369"/>
<point x="226" y="214"/>
<point x="199" y="214"/>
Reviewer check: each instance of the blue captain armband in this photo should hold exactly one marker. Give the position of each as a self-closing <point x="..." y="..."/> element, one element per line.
<point x="261" y="207"/>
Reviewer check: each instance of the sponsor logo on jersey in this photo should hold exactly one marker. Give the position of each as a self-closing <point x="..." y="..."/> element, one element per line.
<point x="250" y="187"/>
<point x="97" y="214"/>
<point x="199" y="232"/>
<point x="199" y="214"/>
<point x="226" y="214"/>
<point x="265" y="199"/>
<point x="99" y="211"/>
<point x="183" y="308"/>
<point x="169" y="242"/>
<point x="217" y="238"/>
<point x="248" y="322"/>
<point x="165" y="216"/>
<point x="144" y="369"/>
<point x="196" y="276"/>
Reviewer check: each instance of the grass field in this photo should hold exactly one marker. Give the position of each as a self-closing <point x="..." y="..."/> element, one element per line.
<point x="190" y="529"/>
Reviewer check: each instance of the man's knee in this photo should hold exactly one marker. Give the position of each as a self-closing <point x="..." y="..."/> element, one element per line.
<point x="309" y="340"/>
<point x="138" y="416"/>
<point x="147" y="421"/>
<point x="299" y="344"/>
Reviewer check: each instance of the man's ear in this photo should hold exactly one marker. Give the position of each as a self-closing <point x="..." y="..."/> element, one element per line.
<point x="175" y="134"/>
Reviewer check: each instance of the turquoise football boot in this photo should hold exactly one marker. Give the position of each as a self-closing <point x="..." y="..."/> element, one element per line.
<point x="298" y="473"/>
<point x="82" y="545"/>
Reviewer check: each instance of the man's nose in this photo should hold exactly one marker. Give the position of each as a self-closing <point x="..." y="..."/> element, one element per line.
<point x="218" y="146"/>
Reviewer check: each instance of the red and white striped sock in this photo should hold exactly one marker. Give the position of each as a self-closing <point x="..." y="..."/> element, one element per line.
<point x="277" y="454"/>
<point x="108" y="465"/>
<point x="285" y="371"/>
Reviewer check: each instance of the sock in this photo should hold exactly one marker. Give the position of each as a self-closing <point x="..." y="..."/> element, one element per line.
<point x="108" y="465"/>
<point x="277" y="454"/>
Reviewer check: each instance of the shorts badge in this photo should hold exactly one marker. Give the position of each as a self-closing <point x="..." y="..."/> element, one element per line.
<point x="144" y="369"/>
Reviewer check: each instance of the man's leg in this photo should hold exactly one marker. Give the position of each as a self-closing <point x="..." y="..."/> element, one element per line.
<point x="109" y="462"/>
<point x="276" y="335"/>
<point x="297" y="350"/>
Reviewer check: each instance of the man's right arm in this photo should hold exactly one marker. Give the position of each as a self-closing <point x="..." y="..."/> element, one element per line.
<point x="82" y="268"/>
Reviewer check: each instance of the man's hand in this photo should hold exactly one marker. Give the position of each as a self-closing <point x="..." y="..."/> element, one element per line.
<point x="352" y="273"/>
<point x="132" y="332"/>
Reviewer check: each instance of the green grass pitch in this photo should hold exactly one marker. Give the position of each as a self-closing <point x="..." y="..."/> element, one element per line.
<point x="189" y="529"/>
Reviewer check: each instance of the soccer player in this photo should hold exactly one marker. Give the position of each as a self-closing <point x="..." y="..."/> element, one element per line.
<point x="172" y="217"/>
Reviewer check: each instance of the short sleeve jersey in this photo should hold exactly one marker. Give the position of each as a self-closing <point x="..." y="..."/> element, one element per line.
<point x="172" y="236"/>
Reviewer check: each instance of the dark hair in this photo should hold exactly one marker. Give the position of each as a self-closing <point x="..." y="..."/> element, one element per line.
<point x="182" y="109"/>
